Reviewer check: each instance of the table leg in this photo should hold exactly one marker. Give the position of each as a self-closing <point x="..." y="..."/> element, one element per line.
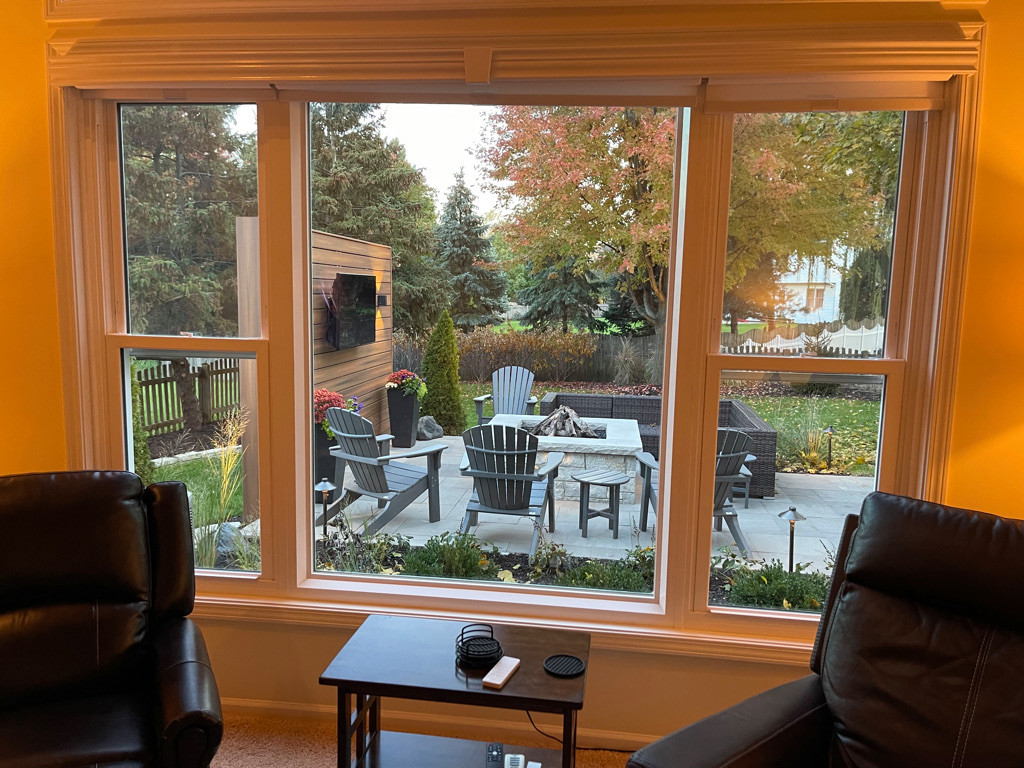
<point x="344" y="730"/>
<point x="569" y="739"/>
<point x="584" y="507"/>
<point x="613" y="503"/>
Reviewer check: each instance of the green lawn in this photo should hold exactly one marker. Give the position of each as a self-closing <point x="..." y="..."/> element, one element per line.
<point x="855" y="423"/>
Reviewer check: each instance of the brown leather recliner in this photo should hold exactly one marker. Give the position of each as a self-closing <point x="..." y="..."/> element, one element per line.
<point x="918" y="663"/>
<point x="99" y="665"/>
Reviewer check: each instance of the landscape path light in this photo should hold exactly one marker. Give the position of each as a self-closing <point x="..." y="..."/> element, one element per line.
<point x="829" y="431"/>
<point x="793" y="517"/>
<point x="326" y="487"/>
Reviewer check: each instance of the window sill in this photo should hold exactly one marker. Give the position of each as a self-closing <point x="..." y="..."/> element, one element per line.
<point x="628" y="633"/>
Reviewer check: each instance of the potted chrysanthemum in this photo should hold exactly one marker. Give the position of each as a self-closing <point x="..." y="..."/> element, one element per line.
<point x="323" y="435"/>
<point x="404" y="389"/>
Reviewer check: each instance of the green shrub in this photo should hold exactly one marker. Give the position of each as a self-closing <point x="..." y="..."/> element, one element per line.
<point x="347" y="550"/>
<point x="443" y="400"/>
<point x="633" y="573"/>
<point x="772" y="586"/>
<point x="452" y="555"/>
<point x="144" y="467"/>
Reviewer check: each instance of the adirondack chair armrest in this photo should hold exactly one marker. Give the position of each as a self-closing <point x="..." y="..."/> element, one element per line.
<point x="464" y="464"/>
<point x="531" y="405"/>
<point x="384" y="444"/>
<point x="337" y="453"/>
<point x="426" y="451"/>
<point x="647" y="461"/>
<point x="482" y="399"/>
<point x="551" y="464"/>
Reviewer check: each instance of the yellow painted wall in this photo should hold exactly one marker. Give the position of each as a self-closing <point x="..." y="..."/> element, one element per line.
<point x="628" y="698"/>
<point x="31" y="408"/>
<point x="988" y="425"/>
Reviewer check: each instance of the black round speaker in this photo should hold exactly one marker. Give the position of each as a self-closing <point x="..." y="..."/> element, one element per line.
<point x="476" y="646"/>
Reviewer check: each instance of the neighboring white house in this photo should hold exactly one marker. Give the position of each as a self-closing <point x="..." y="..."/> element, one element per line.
<point x="812" y="292"/>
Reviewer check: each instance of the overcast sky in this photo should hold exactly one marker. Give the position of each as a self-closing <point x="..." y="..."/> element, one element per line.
<point x="440" y="139"/>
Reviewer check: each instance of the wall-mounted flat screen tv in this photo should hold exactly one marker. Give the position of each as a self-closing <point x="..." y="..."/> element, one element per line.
<point x="352" y="320"/>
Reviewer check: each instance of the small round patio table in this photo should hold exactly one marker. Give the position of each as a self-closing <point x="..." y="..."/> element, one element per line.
<point x="609" y="479"/>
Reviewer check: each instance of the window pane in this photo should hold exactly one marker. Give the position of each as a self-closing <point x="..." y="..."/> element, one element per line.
<point x="789" y="440"/>
<point x="194" y="420"/>
<point x="190" y="218"/>
<point x="811" y="215"/>
<point x="546" y="231"/>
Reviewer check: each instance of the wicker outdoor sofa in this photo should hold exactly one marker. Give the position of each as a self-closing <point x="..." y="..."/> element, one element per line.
<point x="646" y="411"/>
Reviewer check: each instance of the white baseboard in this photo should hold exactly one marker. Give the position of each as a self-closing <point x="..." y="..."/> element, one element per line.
<point x="505" y="729"/>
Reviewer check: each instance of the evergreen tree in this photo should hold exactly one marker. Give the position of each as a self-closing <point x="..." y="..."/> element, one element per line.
<point x="623" y="315"/>
<point x="188" y="172"/>
<point x="443" y="400"/>
<point x="364" y="187"/>
<point x="559" y="296"/>
<point x="463" y="250"/>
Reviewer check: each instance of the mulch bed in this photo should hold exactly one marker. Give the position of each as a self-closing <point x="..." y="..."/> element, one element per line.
<point x="174" y="443"/>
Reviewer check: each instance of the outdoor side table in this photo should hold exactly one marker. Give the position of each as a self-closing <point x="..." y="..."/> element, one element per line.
<point x="609" y="479"/>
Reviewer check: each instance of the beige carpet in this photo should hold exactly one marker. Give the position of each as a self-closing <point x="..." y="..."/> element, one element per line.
<point x="269" y="742"/>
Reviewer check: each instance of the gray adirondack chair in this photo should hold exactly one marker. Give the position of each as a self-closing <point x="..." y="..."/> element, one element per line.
<point x="727" y="472"/>
<point x="506" y="479"/>
<point x="728" y="440"/>
<point x="395" y="484"/>
<point x="510" y="390"/>
<point x="733" y="452"/>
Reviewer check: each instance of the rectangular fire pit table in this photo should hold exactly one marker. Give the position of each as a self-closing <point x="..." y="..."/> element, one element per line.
<point x="411" y="658"/>
<point x="616" y="451"/>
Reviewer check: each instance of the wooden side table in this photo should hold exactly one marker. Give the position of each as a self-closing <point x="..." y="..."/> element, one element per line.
<point x="413" y="658"/>
<point x="609" y="479"/>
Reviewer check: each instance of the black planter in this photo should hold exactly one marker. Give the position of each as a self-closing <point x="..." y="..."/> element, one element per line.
<point x="323" y="462"/>
<point x="404" y="411"/>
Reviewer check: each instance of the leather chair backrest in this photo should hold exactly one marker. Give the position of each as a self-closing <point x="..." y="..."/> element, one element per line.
<point x="921" y="646"/>
<point x="75" y="580"/>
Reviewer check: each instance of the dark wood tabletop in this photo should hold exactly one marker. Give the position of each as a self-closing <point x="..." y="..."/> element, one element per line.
<point x="414" y="658"/>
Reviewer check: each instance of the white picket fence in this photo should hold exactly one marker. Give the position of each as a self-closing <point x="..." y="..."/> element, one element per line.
<point x="844" y="342"/>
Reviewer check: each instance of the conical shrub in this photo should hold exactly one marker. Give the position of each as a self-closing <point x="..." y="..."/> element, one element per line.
<point x="443" y="400"/>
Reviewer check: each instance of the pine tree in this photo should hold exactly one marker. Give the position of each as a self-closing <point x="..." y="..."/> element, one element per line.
<point x="559" y="296"/>
<point x="623" y="315"/>
<point x="364" y="187"/>
<point x="477" y="283"/>
<point x="443" y="400"/>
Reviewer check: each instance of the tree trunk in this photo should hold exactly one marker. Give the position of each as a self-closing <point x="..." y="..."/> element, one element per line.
<point x="186" y="384"/>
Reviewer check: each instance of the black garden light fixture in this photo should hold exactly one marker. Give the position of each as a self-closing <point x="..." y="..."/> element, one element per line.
<point x="793" y="517"/>
<point x="326" y="487"/>
<point x="829" y="431"/>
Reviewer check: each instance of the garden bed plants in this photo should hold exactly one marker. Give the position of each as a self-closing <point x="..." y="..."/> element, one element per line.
<point x="746" y="583"/>
<point x="462" y="556"/>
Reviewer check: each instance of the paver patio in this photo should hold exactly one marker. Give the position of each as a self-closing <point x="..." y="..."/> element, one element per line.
<point x="824" y="500"/>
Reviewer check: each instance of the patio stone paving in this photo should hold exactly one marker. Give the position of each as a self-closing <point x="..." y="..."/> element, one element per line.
<point x="823" y="499"/>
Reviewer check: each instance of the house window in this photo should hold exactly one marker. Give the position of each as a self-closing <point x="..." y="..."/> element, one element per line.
<point x="815" y="298"/>
<point x="813" y="200"/>
<point x="190" y="233"/>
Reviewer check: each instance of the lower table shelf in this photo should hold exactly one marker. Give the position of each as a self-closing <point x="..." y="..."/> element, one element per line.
<point x="412" y="750"/>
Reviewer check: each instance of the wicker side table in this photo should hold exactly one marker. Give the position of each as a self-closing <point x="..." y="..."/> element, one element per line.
<point x="613" y="481"/>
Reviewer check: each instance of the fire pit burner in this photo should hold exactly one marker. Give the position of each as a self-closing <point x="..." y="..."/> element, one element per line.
<point x="564" y="422"/>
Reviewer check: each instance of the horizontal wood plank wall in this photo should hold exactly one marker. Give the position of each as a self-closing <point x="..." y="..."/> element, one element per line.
<point x="360" y="371"/>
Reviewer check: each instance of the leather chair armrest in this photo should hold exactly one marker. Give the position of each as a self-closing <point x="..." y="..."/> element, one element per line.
<point x="190" y="724"/>
<point x="786" y="727"/>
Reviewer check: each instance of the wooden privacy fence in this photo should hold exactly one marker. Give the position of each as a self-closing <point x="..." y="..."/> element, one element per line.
<point x="216" y="385"/>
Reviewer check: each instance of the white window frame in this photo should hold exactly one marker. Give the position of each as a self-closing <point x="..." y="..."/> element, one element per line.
<point x="676" y="616"/>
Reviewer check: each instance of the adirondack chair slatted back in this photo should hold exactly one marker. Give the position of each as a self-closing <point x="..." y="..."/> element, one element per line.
<point x="355" y="436"/>
<point x="510" y="388"/>
<point x="503" y="451"/>
<point x="733" y="448"/>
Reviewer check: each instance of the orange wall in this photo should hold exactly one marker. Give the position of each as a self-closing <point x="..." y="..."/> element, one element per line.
<point x="31" y="409"/>
<point x="988" y="425"/>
